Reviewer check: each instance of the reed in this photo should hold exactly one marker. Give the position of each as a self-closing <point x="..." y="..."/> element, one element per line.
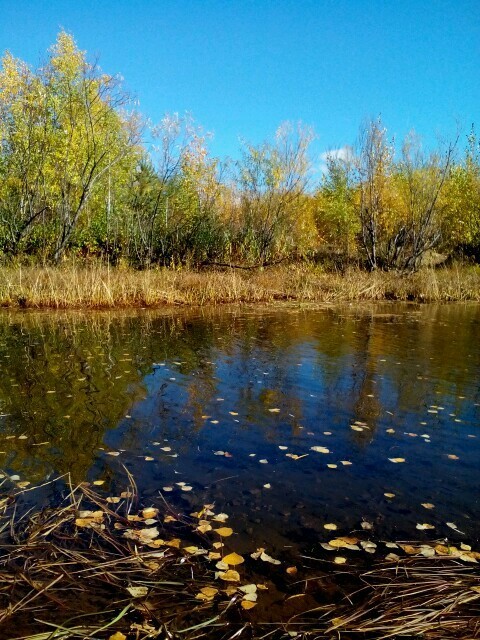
<point x="99" y="286"/>
<point x="95" y="567"/>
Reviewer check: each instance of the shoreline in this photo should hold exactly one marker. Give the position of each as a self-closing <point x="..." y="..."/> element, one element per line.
<point x="96" y="286"/>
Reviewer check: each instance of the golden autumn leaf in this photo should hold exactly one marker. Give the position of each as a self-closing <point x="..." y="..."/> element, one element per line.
<point x="229" y="576"/>
<point x="233" y="559"/>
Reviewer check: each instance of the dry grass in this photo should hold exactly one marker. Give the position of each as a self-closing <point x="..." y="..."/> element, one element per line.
<point x="98" y="286"/>
<point x="67" y="573"/>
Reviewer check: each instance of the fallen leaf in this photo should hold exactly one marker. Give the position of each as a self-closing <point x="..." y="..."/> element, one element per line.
<point x="319" y="449"/>
<point x="209" y="591"/>
<point x="246" y="604"/>
<point x="248" y="588"/>
<point x="233" y="559"/>
<point x="266" y="558"/>
<point x="149" y="512"/>
<point x="229" y="576"/>
<point x="424" y="526"/>
<point x="397" y="460"/>
<point x="224" y="532"/>
<point x="220" y="517"/>
<point x="428" y="505"/>
<point x="330" y="526"/>
<point x="389" y="495"/>
<point x="332" y="466"/>
<point x="292" y="571"/>
<point x="137" y="592"/>
<point x="117" y="636"/>
<point x="339" y="560"/>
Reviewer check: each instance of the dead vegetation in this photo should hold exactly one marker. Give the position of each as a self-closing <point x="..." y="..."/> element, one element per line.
<point x="104" y="567"/>
<point x="98" y="286"/>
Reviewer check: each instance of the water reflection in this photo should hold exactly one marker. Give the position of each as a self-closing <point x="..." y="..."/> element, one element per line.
<point x="169" y="391"/>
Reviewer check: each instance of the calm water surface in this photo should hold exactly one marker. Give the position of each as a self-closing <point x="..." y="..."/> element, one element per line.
<point x="170" y="392"/>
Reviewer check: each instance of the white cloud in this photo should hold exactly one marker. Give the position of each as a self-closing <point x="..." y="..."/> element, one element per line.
<point x="343" y="153"/>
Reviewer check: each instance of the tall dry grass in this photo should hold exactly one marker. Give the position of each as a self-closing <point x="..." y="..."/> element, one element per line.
<point x="99" y="286"/>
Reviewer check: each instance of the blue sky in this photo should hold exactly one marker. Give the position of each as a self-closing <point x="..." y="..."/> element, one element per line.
<point x="241" y="67"/>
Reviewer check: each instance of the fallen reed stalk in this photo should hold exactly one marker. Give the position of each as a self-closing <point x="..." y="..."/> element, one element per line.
<point x="99" y="286"/>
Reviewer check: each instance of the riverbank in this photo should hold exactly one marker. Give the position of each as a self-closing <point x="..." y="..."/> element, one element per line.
<point x="97" y="286"/>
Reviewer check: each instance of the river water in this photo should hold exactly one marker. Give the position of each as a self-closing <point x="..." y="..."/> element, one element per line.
<point x="230" y="402"/>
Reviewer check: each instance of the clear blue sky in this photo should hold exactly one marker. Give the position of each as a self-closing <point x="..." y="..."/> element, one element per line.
<point x="242" y="66"/>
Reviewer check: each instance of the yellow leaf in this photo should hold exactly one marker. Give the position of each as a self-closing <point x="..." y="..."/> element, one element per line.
<point x="233" y="559"/>
<point x="118" y="636"/>
<point x="427" y="505"/>
<point x="209" y="591"/>
<point x="340" y="560"/>
<point x="330" y="526"/>
<point x="150" y="512"/>
<point x="137" y="592"/>
<point x="203" y="528"/>
<point x="246" y="604"/>
<point x="229" y="576"/>
<point x="320" y="449"/>
<point x="292" y="571"/>
<point x="397" y="460"/>
<point x="224" y="532"/>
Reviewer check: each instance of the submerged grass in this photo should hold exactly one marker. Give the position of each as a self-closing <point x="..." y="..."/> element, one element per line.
<point x="99" y="286"/>
<point x="96" y="567"/>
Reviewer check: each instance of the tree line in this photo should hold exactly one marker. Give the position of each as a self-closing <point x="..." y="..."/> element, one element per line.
<point x="78" y="177"/>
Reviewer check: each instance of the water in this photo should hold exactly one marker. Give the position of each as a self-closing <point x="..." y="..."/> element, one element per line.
<point x="257" y="384"/>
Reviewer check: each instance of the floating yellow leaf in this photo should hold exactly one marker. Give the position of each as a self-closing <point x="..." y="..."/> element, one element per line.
<point x="424" y="526"/>
<point x="346" y="463"/>
<point x="118" y="636"/>
<point x="209" y="591"/>
<point x="452" y="456"/>
<point x="99" y="483"/>
<point x="330" y="526"/>
<point x="339" y="560"/>
<point x="233" y="559"/>
<point x="220" y="517"/>
<point x="203" y="528"/>
<point x="229" y="576"/>
<point x="397" y="460"/>
<point x="389" y="495"/>
<point x="246" y="604"/>
<point x="332" y="466"/>
<point x="149" y="512"/>
<point x="224" y="532"/>
<point x="428" y="505"/>
<point x="275" y="410"/>
<point x="292" y="571"/>
<point x="320" y="449"/>
<point x="248" y="588"/>
<point x="174" y="543"/>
